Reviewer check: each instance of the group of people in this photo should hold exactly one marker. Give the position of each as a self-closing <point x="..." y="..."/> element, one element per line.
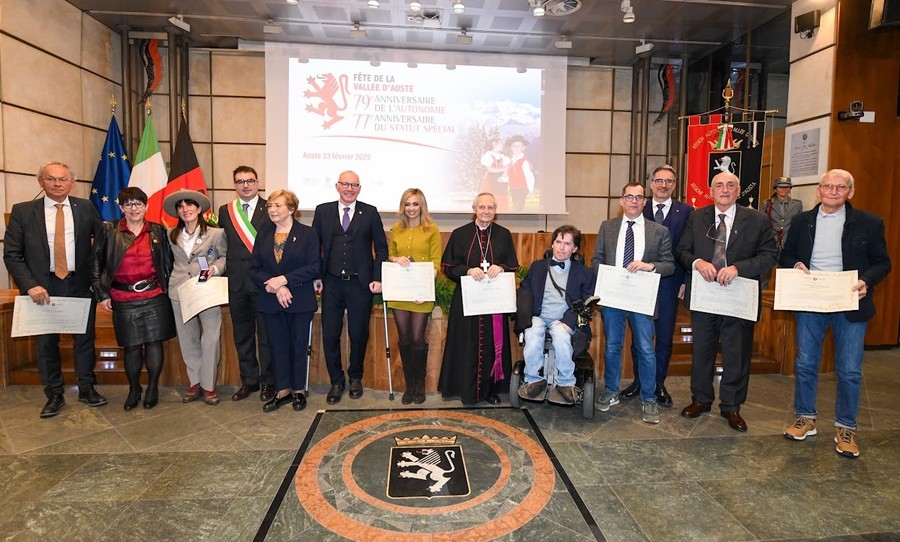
<point x="275" y="266"/>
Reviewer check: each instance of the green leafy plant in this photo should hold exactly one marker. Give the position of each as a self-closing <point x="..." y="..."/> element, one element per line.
<point x="443" y="292"/>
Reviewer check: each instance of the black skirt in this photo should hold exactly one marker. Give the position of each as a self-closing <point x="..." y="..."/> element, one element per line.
<point x="143" y="321"/>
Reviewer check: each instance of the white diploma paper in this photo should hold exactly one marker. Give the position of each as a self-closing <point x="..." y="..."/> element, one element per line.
<point x="817" y="291"/>
<point x="621" y="289"/>
<point x="61" y="315"/>
<point x="740" y="299"/>
<point x="196" y="296"/>
<point x="490" y="296"/>
<point x="413" y="283"/>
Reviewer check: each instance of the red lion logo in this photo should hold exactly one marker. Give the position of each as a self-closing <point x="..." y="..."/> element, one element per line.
<point x="326" y="93"/>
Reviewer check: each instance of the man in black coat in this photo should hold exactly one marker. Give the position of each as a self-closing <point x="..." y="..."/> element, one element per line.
<point x="48" y="252"/>
<point x="834" y="236"/>
<point x="241" y="219"/>
<point x="349" y="231"/>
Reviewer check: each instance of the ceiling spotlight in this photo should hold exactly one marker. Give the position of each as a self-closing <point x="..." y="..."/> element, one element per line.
<point x="463" y="38"/>
<point x="292" y="2"/>
<point x="521" y="69"/>
<point x="458" y="7"/>
<point x="374" y="4"/>
<point x="374" y="63"/>
<point x="412" y="64"/>
<point x="563" y="43"/>
<point x="626" y="8"/>
<point x="415" y="7"/>
<point x="178" y="21"/>
<point x="357" y="32"/>
<point x="538" y="11"/>
<point x="451" y="66"/>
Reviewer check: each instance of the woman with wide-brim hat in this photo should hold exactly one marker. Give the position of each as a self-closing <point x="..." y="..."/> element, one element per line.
<point x="132" y="264"/>
<point x="193" y="243"/>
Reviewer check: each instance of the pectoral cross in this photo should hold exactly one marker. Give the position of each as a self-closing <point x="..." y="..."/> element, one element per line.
<point x="484" y="265"/>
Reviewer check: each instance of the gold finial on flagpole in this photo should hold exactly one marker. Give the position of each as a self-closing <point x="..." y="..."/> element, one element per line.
<point x="112" y="103"/>
<point x="147" y="105"/>
<point x="183" y="108"/>
<point x="728" y="94"/>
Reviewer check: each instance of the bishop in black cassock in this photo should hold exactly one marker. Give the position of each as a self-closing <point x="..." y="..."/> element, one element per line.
<point x="476" y="364"/>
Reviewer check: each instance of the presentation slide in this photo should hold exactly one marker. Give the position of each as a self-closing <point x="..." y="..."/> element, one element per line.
<point x="450" y="124"/>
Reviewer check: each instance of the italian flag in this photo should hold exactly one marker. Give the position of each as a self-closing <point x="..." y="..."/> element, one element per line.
<point x="184" y="172"/>
<point x="149" y="172"/>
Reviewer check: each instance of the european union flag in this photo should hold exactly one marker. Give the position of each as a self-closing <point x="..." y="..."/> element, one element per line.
<point x="112" y="174"/>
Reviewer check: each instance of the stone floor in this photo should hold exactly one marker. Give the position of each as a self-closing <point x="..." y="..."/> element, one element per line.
<point x="196" y="472"/>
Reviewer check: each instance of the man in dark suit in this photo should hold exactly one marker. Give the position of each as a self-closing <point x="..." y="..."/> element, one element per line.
<point x="834" y="236"/>
<point x="349" y="231"/>
<point x="662" y="209"/>
<point x="241" y="219"/>
<point x="637" y="244"/>
<point x="48" y="253"/>
<point x="723" y="241"/>
<point x="554" y="284"/>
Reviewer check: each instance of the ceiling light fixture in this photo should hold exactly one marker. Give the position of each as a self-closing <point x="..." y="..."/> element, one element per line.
<point x="463" y="38"/>
<point x="521" y="69"/>
<point x="563" y="43"/>
<point x="292" y="2"/>
<point x="374" y="4"/>
<point x="271" y="27"/>
<point x="626" y="8"/>
<point x="458" y="7"/>
<point x="538" y="11"/>
<point x="178" y="22"/>
<point x="415" y="7"/>
<point x="357" y="32"/>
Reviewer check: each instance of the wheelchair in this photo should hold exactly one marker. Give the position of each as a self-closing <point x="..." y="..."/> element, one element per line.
<point x="584" y="366"/>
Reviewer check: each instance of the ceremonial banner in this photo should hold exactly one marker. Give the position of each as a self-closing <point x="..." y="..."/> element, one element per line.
<point x="715" y="147"/>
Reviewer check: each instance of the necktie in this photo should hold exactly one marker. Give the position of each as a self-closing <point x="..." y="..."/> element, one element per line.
<point x="659" y="214"/>
<point x="61" y="266"/>
<point x="345" y="221"/>
<point x="562" y="265"/>
<point x="629" y="245"/>
<point x="246" y="207"/>
<point x="718" y="259"/>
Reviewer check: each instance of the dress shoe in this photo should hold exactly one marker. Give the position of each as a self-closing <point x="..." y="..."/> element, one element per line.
<point x="151" y="399"/>
<point x="663" y="398"/>
<point x="694" y="409"/>
<point x="493" y="399"/>
<point x="334" y="395"/>
<point x="134" y="397"/>
<point x="266" y="392"/>
<point x="243" y="392"/>
<point x="299" y="401"/>
<point x="356" y="389"/>
<point x="735" y="421"/>
<point x="632" y="390"/>
<point x="276" y="402"/>
<point x="53" y="406"/>
<point x="192" y="394"/>
<point x="91" y="398"/>
<point x="211" y="397"/>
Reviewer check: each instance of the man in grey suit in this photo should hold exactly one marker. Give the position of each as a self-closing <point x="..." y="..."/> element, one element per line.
<point x="721" y="242"/>
<point x="637" y="244"/>
<point x="48" y="252"/>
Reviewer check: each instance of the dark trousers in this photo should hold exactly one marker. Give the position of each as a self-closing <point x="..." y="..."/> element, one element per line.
<point x="664" y="329"/>
<point x="249" y="329"/>
<point x="736" y="336"/>
<point x="49" y="361"/>
<point x="355" y="298"/>
<point x="289" y="351"/>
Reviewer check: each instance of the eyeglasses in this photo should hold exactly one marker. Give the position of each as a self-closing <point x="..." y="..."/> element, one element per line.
<point x="710" y="232"/>
<point x="662" y="181"/>
<point x="839" y="187"/>
<point x="245" y="182"/>
<point x="631" y="198"/>
<point x="56" y="180"/>
<point x="344" y="185"/>
<point x="133" y="205"/>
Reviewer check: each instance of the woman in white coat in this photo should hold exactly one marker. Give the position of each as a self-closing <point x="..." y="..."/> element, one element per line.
<point x="194" y="242"/>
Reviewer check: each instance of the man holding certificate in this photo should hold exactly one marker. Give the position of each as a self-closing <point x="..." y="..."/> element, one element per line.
<point x="48" y="252"/>
<point x="721" y="242"/>
<point x="638" y="245"/>
<point x="834" y="236"/>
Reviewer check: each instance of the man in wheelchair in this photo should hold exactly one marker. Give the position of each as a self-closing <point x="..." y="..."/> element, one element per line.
<point x="553" y="285"/>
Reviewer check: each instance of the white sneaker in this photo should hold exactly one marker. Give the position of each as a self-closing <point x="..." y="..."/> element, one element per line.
<point x="607" y="399"/>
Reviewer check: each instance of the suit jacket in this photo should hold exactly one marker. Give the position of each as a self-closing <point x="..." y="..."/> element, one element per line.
<point x="751" y="246"/>
<point x="863" y="248"/>
<point x="238" y="256"/>
<point x="368" y="232"/>
<point x="657" y="246"/>
<point x="185" y="267"/>
<point x="580" y="285"/>
<point x="300" y="265"/>
<point x="27" y="253"/>
<point x="675" y="222"/>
